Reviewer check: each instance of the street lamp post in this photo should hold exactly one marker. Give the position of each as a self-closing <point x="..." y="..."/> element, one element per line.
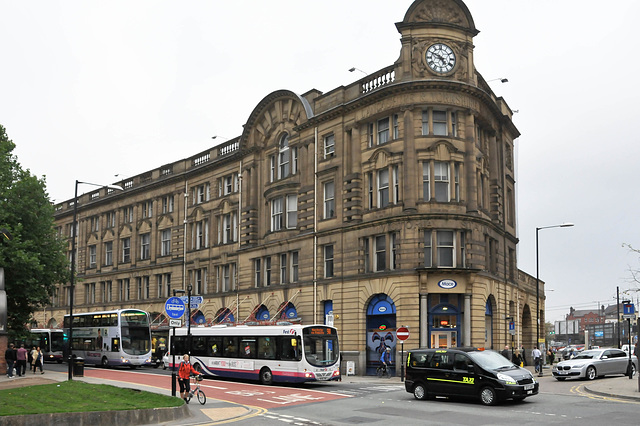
<point x="564" y="225"/>
<point x="172" y="348"/>
<point x="72" y="279"/>
<point x="189" y="288"/>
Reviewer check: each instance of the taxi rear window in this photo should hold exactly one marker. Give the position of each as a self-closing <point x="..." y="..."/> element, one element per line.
<point x="438" y="359"/>
<point x="418" y="359"/>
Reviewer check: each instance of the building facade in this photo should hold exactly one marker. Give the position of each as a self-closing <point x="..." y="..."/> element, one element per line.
<point x="387" y="202"/>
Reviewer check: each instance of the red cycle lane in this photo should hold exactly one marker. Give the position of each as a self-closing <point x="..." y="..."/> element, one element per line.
<point x="239" y="393"/>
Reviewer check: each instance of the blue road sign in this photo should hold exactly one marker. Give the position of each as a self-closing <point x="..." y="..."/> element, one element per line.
<point x="628" y="309"/>
<point x="196" y="301"/>
<point x="174" y="307"/>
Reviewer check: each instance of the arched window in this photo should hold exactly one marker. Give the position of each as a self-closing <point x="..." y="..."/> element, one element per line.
<point x="284" y="157"/>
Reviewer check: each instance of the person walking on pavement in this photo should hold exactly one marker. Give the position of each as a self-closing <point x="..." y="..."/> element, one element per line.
<point x="537" y="357"/>
<point x="38" y="360"/>
<point x="505" y="352"/>
<point x="21" y="364"/>
<point x="10" y="357"/>
<point x="517" y="358"/>
<point x="30" y="357"/>
<point x="523" y="351"/>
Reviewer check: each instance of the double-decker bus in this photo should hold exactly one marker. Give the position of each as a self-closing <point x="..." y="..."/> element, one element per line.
<point x="112" y="338"/>
<point x="51" y="342"/>
<point x="269" y="353"/>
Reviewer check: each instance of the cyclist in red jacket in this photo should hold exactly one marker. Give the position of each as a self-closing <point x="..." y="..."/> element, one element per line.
<point x="185" y="370"/>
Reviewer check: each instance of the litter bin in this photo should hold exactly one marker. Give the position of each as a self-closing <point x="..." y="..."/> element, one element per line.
<point x="351" y="368"/>
<point x="78" y="367"/>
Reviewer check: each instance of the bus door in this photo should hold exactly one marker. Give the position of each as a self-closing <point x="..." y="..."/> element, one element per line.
<point x="115" y="344"/>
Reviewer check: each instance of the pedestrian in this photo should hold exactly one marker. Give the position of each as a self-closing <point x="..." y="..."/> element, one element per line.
<point x="537" y="356"/>
<point x="21" y="364"/>
<point x="184" y="371"/>
<point x="517" y="358"/>
<point x="10" y="357"/>
<point x="636" y="351"/>
<point x="38" y="360"/>
<point x="550" y="357"/>
<point x="505" y="352"/>
<point x="523" y="351"/>
<point x="30" y="357"/>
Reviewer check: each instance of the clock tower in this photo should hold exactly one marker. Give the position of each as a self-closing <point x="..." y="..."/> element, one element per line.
<point x="437" y="42"/>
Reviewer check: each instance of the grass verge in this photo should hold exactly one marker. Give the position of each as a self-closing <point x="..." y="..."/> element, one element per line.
<point x="77" y="396"/>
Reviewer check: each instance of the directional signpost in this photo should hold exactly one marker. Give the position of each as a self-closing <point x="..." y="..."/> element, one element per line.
<point x="196" y="301"/>
<point x="174" y="307"/>
<point x="629" y="312"/>
<point x="402" y="334"/>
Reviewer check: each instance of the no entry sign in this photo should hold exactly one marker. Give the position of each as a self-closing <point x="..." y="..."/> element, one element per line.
<point x="402" y="333"/>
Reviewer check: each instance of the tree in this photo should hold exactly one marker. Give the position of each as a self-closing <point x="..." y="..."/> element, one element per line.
<point x="31" y="253"/>
<point x="635" y="274"/>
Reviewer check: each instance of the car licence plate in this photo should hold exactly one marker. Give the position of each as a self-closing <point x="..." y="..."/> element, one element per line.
<point x="561" y="372"/>
<point x="528" y="387"/>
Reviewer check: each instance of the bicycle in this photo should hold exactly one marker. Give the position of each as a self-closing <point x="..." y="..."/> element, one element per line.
<point x="195" y="389"/>
<point x="383" y="371"/>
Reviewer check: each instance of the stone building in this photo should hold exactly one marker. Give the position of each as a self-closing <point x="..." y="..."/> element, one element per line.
<point x="387" y="202"/>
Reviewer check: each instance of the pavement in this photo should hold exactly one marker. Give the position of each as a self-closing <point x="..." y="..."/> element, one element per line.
<point x="216" y="411"/>
<point x="213" y="411"/>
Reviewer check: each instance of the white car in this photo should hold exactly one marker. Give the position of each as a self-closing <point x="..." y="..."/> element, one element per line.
<point x="595" y="363"/>
<point x="166" y="361"/>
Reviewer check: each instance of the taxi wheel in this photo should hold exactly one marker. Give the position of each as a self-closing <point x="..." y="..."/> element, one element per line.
<point x="591" y="373"/>
<point x="488" y="396"/>
<point x="420" y="392"/>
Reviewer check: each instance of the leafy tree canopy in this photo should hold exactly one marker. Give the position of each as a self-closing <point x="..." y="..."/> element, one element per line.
<point x="31" y="253"/>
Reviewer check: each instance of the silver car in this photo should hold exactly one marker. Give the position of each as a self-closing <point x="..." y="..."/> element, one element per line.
<point x="594" y="363"/>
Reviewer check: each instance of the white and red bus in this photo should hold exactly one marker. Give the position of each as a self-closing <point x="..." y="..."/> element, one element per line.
<point x="268" y="353"/>
<point x="51" y="342"/>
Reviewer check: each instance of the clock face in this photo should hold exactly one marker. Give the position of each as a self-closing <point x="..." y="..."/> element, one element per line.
<point x="440" y="58"/>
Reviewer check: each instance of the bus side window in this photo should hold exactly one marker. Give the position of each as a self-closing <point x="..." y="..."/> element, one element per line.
<point x="198" y="346"/>
<point x="230" y="347"/>
<point x="266" y="348"/>
<point x="290" y="348"/>
<point x="247" y="347"/>
<point x="115" y="343"/>
<point x="214" y="346"/>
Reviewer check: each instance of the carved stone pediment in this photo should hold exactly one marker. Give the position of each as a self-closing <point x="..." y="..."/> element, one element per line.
<point x="441" y="11"/>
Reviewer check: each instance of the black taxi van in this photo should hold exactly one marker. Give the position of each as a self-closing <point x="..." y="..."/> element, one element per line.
<point x="467" y="373"/>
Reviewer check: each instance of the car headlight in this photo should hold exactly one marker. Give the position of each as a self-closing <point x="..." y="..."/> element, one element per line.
<point x="578" y="366"/>
<point x="505" y="378"/>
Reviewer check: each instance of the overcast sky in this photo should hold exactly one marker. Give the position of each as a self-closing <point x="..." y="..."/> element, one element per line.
<point x="90" y="90"/>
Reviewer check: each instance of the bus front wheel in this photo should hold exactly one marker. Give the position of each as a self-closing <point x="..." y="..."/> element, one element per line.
<point x="105" y="362"/>
<point x="266" y="376"/>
